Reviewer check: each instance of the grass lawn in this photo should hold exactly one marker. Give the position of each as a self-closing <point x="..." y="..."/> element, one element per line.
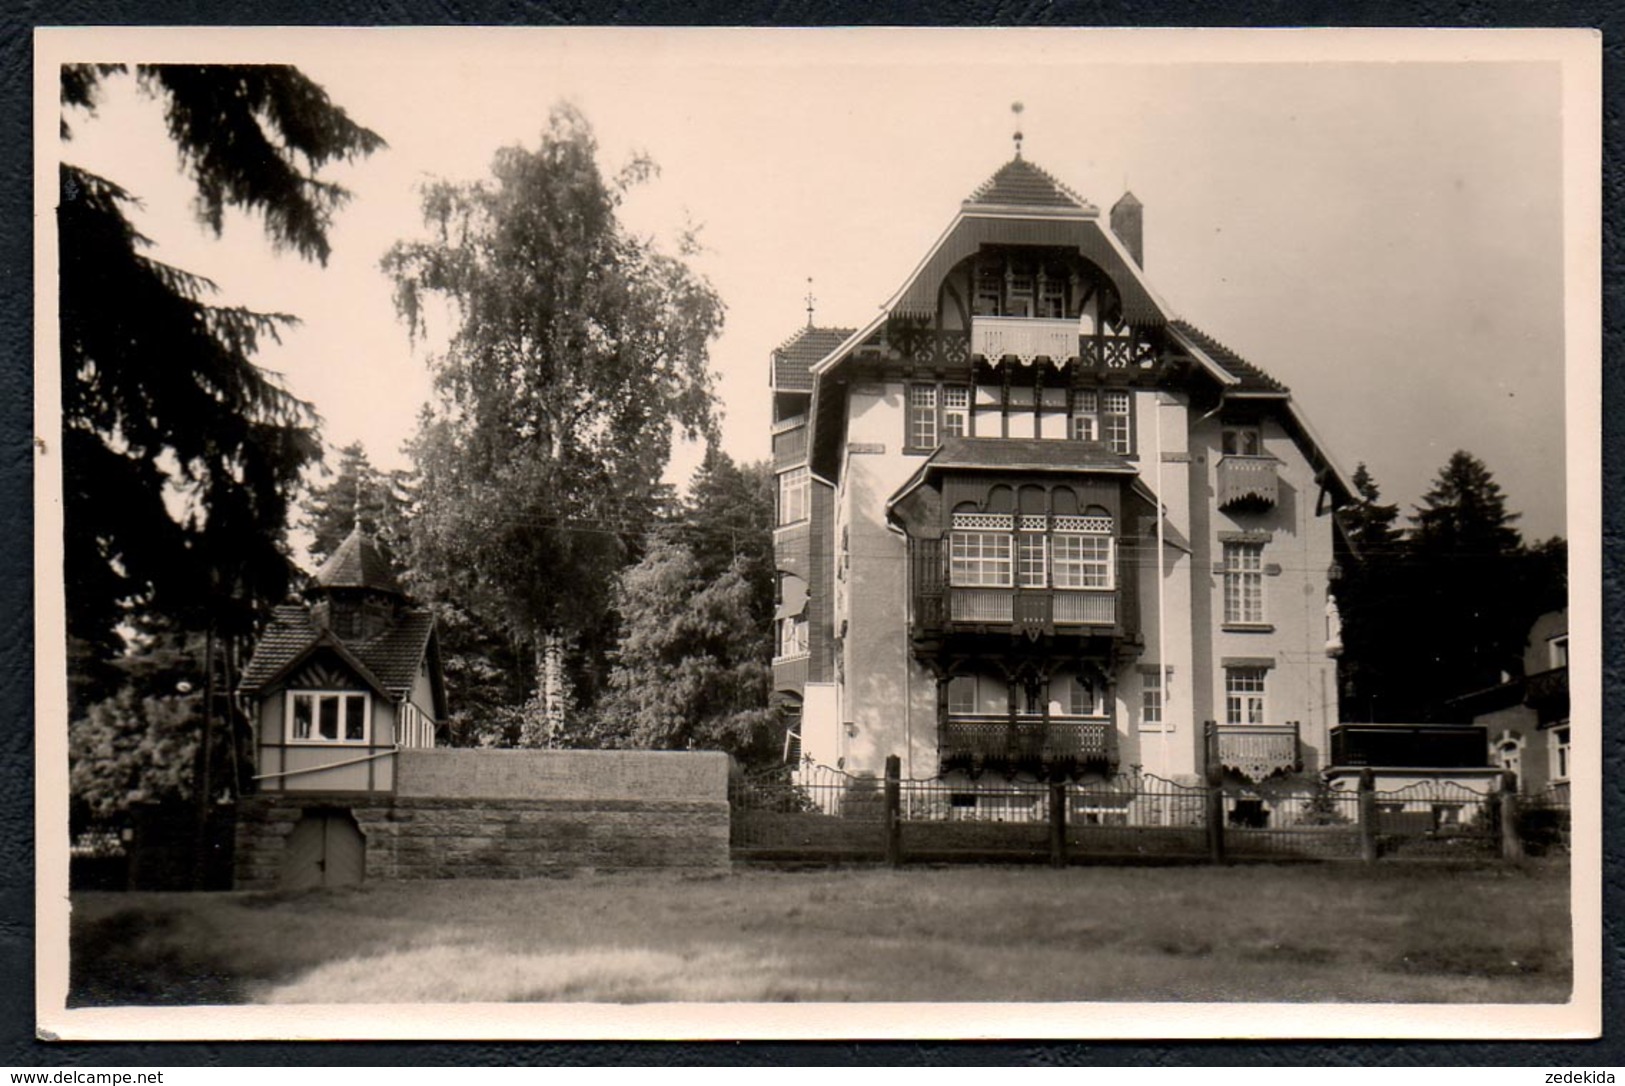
<point x="1400" y="932"/>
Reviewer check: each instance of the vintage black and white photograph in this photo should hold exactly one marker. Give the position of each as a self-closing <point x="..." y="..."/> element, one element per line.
<point x="1011" y="533"/>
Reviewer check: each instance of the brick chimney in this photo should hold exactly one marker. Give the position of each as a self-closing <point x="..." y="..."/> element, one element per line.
<point x="1128" y="223"/>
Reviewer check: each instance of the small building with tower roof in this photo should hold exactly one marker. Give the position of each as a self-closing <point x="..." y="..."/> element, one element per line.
<point x="340" y="682"/>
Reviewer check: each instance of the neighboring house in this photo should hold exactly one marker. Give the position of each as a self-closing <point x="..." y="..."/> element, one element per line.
<point x="1526" y="720"/>
<point x="338" y="683"/>
<point x="973" y="572"/>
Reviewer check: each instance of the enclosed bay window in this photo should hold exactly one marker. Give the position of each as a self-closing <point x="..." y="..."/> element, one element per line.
<point x="1244" y="584"/>
<point x="1032" y="557"/>
<point x="794" y="496"/>
<point x="320" y="716"/>
<point x="1082" y="555"/>
<point x="791" y="636"/>
<point x="1244" y="695"/>
<point x="980" y="551"/>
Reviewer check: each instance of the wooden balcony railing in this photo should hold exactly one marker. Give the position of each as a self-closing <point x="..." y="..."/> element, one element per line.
<point x="1427" y="746"/>
<point x="975" y="742"/>
<point x="1256" y="751"/>
<point x="1248" y="481"/>
<point x="1024" y="338"/>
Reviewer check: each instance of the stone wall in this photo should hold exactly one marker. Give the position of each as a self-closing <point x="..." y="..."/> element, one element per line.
<point x="512" y="814"/>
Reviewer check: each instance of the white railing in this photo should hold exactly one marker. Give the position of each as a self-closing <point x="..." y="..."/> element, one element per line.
<point x="1025" y="338"/>
<point x="1085" y="607"/>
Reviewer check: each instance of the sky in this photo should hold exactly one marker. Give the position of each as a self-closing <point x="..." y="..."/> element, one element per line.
<point x="1383" y="236"/>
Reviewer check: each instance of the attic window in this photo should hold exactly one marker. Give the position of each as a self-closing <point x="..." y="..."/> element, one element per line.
<point x="322" y="716"/>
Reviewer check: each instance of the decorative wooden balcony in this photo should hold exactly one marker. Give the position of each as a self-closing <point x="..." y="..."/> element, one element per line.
<point x="1413" y="746"/>
<point x="1256" y="751"/>
<point x="1026" y="339"/>
<point x="1024" y="743"/>
<point x="1248" y="482"/>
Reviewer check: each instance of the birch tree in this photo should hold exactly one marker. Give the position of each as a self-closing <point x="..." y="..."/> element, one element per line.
<point x="575" y="351"/>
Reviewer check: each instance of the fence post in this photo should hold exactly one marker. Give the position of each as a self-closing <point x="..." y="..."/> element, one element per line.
<point x="1511" y="842"/>
<point x="1057" y="823"/>
<point x="894" y="815"/>
<point x="1367" y="797"/>
<point x="1215" y="798"/>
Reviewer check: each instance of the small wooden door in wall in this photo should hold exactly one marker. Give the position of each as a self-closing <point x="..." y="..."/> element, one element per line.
<point x="325" y="849"/>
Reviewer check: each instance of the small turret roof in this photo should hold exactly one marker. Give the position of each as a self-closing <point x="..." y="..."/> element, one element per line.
<point x="1018" y="183"/>
<point x="357" y="563"/>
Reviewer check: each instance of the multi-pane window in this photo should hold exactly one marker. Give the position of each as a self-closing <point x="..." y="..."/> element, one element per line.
<point x="1244" y="583"/>
<point x="1114" y="417"/>
<point x="1051" y="296"/>
<point x="1086" y="416"/>
<point x="980" y="551"/>
<point x="1082" y="561"/>
<point x="1557" y="651"/>
<point x="794" y="495"/>
<point x="922" y="416"/>
<point x="1560" y="753"/>
<point x="955" y="410"/>
<point x="1244" y="695"/>
<point x="1031" y="553"/>
<point x="936" y="412"/>
<point x="1018" y="296"/>
<point x="962" y="694"/>
<point x="1151" y="698"/>
<point x="989" y="289"/>
<point x="792" y="636"/>
<point x="1085" y="698"/>
<point x="321" y="717"/>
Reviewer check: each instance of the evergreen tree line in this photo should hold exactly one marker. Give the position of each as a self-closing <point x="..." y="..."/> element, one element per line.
<point x="1442" y="607"/>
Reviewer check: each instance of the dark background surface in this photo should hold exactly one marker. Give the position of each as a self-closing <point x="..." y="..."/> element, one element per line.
<point x="18" y="1045"/>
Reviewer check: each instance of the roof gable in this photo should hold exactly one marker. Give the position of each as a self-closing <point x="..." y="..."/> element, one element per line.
<point x="389" y="660"/>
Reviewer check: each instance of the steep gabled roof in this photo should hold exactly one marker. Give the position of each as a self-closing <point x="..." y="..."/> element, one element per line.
<point x="391" y="657"/>
<point x="1249" y="377"/>
<point x="794" y="358"/>
<point x="357" y="563"/>
<point x="1018" y="183"/>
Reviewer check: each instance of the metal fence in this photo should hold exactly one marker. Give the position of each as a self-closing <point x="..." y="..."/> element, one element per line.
<point x="818" y="812"/>
<point x="1545" y="820"/>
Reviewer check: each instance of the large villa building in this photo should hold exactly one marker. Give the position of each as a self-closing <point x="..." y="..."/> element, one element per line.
<point x="1030" y="520"/>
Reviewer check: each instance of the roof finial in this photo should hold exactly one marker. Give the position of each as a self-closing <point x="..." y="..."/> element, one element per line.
<point x="1016" y="107"/>
<point x="810" y="301"/>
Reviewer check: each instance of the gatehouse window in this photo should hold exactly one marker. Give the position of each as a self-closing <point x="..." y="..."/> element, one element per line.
<point x="321" y="716"/>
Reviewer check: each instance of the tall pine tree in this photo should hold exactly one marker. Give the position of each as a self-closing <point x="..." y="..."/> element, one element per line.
<point x="161" y="397"/>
